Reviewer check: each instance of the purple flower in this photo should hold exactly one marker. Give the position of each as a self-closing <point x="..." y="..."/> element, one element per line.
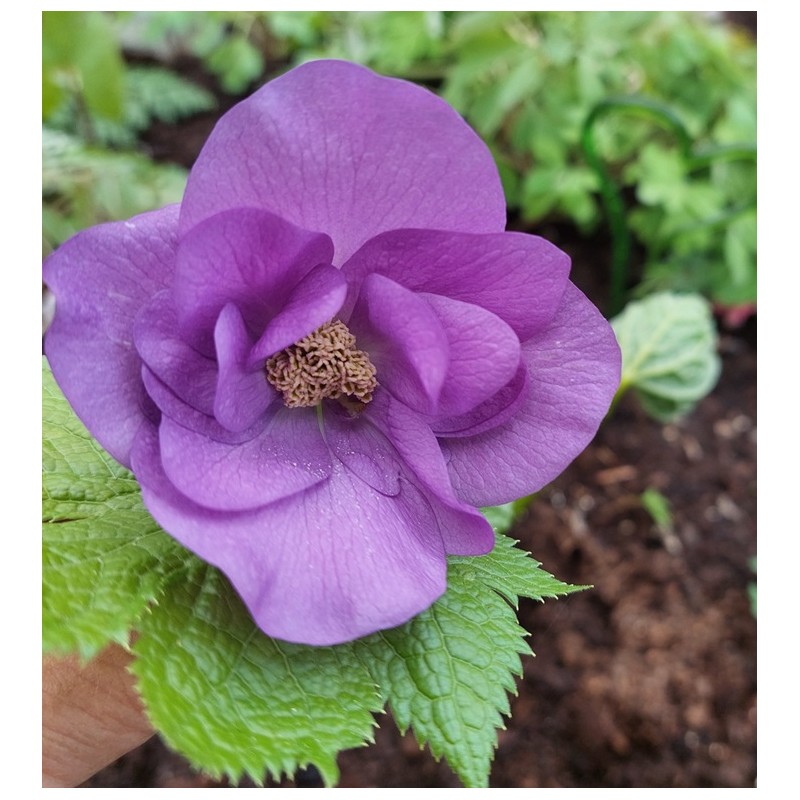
<point x="331" y="353"/>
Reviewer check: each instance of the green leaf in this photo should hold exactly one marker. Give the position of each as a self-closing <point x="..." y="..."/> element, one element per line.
<point x="669" y="357"/>
<point x="104" y="558"/>
<point x="447" y="673"/>
<point x="235" y="701"/>
<point x="80" y="53"/>
<point x="237" y="63"/>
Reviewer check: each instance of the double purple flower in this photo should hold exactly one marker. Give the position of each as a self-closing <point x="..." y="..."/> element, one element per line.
<point x="330" y="353"/>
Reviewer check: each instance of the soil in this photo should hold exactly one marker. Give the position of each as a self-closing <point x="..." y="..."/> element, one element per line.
<point x="649" y="678"/>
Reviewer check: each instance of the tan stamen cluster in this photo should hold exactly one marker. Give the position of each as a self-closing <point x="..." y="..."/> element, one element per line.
<point x="324" y="364"/>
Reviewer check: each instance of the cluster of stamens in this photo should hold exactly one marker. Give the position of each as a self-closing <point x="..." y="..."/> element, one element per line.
<point x="324" y="364"/>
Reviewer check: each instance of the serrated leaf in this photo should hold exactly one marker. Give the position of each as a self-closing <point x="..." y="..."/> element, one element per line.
<point x="447" y="673"/>
<point x="104" y="558"/>
<point x="237" y="702"/>
<point x="668" y="344"/>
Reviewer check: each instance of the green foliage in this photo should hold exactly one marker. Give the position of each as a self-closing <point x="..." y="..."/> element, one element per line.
<point x="235" y="701"/>
<point x="81" y="57"/>
<point x="83" y="185"/>
<point x="669" y="358"/>
<point x="657" y="506"/>
<point x="752" y="590"/>
<point x="104" y="559"/>
<point x="230" y="698"/>
<point x="527" y="81"/>
<point x="448" y="672"/>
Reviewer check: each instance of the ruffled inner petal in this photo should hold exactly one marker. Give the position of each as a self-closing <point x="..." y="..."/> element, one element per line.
<point x="170" y="405"/>
<point x="315" y="300"/>
<point x="100" y="279"/>
<point x="573" y="368"/>
<point x="484" y="354"/>
<point x="188" y="373"/>
<point x="405" y="340"/>
<point x="244" y="256"/>
<point x="334" y="563"/>
<point x="288" y="456"/>
<point x="495" y="411"/>
<point x="518" y="277"/>
<point x="333" y="147"/>
<point x="243" y="392"/>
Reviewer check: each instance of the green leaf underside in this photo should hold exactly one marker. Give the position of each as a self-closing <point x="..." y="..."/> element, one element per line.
<point x="668" y="344"/>
<point x="233" y="700"/>
<point x="104" y="559"/>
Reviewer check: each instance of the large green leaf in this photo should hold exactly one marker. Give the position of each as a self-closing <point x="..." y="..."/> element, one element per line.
<point x="447" y="673"/>
<point x="235" y="701"/>
<point x="104" y="558"/>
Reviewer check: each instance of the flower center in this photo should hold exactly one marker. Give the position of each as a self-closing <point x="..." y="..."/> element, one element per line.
<point x="324" y="364"/>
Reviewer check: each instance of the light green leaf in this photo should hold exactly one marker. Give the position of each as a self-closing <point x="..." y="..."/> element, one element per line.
<point x="668" y="344"/>
<point x="104" y="558"/>
<point x="235" y="701"/>
<point x="447" y="673"/>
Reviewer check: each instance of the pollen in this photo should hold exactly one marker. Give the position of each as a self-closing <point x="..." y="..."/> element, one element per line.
<point x="326" y="364"/>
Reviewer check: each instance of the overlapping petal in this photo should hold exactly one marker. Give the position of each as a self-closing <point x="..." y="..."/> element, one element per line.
<point x="573" y="370"/>
<point x="336" y="563"/>
<point x="101" y="278"/>
<point x="518" y="277"/>
<point x="244" y="256"/>
<point x="333" y="147"/>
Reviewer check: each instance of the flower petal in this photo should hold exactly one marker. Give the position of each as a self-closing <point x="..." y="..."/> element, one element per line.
<point x="405" y="341"/>
<point x="484" y="354"/>
<point x="498" y="409"/>
<point x="333" y="147"/>
<point x="188" y="373"/>
<point x="330" y="565"/>
<point x="245" y="256"/>
<point x="464" y="529"/>
<point x="573" y="368"/>
<point x="243" y="392"/>
<point x="518" y="277"/>
<point x="100" y="279"/>
<point x="289" y="455"/>
<point x="315" y="300"/>
<point x="170" y="405"/>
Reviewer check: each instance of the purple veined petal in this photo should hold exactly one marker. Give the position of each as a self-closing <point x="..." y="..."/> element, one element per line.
<point x="333" y="147"/>
<point x="329" y="565"/>
<point x="484" y="354"/>
<point x="243" y="392"/>
<point x="100" y="279"/>
<point x="519" y="277"/>
<point x="495" y="411"/>
<point x="405" y="341"/>
<point x="315" y="300"/>
<point x="573" y="369"/>
<point x="464" y="529"/>
<point x="245" y="256"/>
<point x="188" y="373"/>
<point x="170" y="405"/>
<point x="288" y="456"/>
<point x="362" y="448"/>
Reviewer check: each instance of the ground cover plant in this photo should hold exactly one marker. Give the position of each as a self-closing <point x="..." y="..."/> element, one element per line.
<point x="669" y="340"/>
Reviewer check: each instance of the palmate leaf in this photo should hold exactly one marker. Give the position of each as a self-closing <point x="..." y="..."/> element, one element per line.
<point x="104" y="558"/>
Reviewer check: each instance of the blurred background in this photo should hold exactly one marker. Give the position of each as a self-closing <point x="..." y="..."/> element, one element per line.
<point x="628" y="139"/>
